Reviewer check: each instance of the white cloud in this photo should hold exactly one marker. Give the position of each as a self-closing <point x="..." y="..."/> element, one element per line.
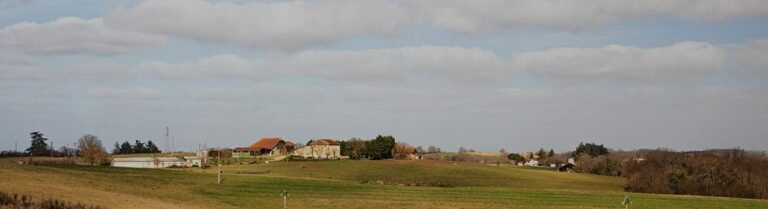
<point x="276" y="25"/>
<point x="680" y="61"/>
<point x="494" y="15"/>
<point x="397" y="63"/>
<point x="456" y="63"/>
<point x="72" y="35"/>
<point x="297" y="24"/>
<point x="15" y="58"/>
<point x="137" y="93"/>
<point x="754" y="58"/>
<point x="78" y="71"/>
<point x="217" y="66"/>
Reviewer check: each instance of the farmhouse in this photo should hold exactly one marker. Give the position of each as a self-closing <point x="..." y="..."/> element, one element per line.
<point x="265" y="146"/>
<point x="155" y="162"/>
<point x="321" y="148"/>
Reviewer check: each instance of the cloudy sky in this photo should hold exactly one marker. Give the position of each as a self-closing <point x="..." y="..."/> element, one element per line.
<point x="487" y="74"/>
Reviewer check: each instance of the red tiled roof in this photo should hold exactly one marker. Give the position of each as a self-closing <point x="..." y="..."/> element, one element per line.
<point x="325" y="142"/>
<point x="266" y="143"/>
<point x="289" y="144"/>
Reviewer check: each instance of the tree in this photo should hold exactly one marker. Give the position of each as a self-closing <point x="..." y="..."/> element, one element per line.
<point x="462" y="150"/>
<point x="402" y="150"/>
<point x="116" y="150"/>
<point x="541" y="153"/>
<point x="591" y="149"/>
<point x="502" y="151"/>
<point x="139" y="147"/>
<point x="551" y="153"/>
<point x="152" y="148"/>
<point x="515" y="157"/>
<point x="356" y="148"/>
<point x="91" y="149"/>
<point x="432" y="149"/>
<point x="126" y="148"/>
<point x="420" y="150"/>
<point x="343" y="148"/>
<point x="380" y="147"/>
<point x="38" y="145"/>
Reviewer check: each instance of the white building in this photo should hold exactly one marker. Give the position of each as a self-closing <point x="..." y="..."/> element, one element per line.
<point x="155" y="162"/>
<point x="320" y="149"/>
<point x="532" y="163"/>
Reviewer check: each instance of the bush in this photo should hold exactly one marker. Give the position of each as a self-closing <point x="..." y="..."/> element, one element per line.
<point x="15" y="201"/>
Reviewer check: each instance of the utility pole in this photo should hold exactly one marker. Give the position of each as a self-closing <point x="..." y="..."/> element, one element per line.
<point x="218" y="161"/>
<point x="51" y="149"/>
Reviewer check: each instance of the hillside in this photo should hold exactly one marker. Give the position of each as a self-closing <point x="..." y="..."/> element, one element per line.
<point x="339" y="184"/>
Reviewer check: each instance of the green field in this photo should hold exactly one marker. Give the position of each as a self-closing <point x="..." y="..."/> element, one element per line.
<point x="340" y="184"/>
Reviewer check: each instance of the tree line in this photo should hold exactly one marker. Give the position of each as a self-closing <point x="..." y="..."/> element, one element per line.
<point x="136" y="148"/>
<point x="726" y="172"/>
<point x="729" y="173"/>
<point x="379" y="148"/>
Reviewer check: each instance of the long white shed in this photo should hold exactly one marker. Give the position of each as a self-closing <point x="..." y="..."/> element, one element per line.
<point x="149" y="162"/>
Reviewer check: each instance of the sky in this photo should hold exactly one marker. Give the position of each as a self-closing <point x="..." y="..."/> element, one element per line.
<point x="483" y="74"/>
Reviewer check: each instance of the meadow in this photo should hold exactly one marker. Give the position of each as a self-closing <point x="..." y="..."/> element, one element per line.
<point x="340" y="184"/>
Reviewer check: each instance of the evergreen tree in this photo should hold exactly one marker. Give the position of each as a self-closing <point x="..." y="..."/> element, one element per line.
<point x="126" y="148"/>
<point x="516" y="157"/>
<point x="38" y="145"/>
<point x="551" y="153"/>
<point x="541" y="153"/>
<point x="139" y="147"/>
<point x="591" y="149"/>
<point x="116" y="150"/>
<point x="151" y="147"/>
<point x="380" y="147"/>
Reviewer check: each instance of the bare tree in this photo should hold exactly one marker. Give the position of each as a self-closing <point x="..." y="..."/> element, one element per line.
<point x="432" y="149"/>
<point x="402" y="151"/>
<point x="356" y="147"/>
<point x="91" y="149"/>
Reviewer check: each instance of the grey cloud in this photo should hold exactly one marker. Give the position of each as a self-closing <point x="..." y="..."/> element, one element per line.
<point x="453" y="63"/>
<point x="216" y="66"/>
<point x="680" y="61"/>
<point x="494" y="15"/>
<point x="72" y="35"/>
<point x="296" y="24"/>
<point x="136" y="93"/>
<point x="275" y="25"/>
<point x="753" y="59"/>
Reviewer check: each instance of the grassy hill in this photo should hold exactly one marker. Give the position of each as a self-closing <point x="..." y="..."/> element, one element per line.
<point x="339" y="184"/>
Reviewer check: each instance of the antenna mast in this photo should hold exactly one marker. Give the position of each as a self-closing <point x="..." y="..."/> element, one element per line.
<point x="167" y="140"/>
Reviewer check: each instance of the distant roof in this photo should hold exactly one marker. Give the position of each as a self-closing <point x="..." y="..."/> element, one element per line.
<point x="266" y="143"/>
<point x="324" y="142"/>
<point x="147" y="159"/>
<point x="289" y="144"/>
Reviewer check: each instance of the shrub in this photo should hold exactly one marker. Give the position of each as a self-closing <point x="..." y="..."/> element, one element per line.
<point x="15" y="201"/>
